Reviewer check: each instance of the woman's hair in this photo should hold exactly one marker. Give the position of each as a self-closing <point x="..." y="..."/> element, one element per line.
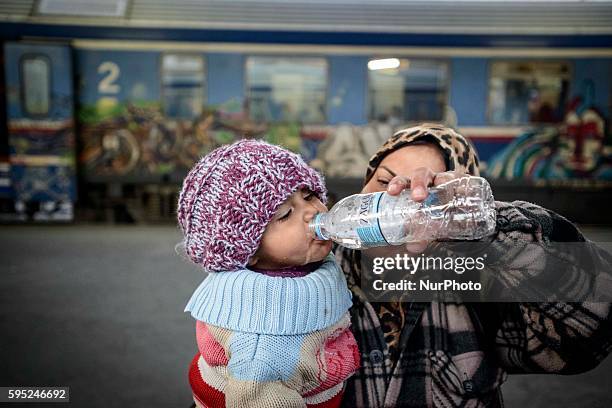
<point x="457" y="152"/>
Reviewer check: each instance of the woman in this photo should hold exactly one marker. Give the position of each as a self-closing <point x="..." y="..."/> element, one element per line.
<point x="459" y="354"/>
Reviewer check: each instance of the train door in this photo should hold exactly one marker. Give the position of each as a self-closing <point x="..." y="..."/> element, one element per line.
<point x="40" y="118"/>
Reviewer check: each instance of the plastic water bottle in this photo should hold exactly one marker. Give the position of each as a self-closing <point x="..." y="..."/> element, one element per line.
<point x="461" y="209"/>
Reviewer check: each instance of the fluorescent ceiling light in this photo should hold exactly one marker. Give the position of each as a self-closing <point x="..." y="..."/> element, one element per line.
<point x="82" y="8"/>
<point x="387" y="63"/>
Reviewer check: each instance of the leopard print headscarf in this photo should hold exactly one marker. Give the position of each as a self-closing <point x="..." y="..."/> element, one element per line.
<point x="459" y="155"/>
<point x="458" y="152"/>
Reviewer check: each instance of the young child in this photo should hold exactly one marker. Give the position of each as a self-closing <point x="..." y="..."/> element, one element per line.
<point x="272" y="315"/>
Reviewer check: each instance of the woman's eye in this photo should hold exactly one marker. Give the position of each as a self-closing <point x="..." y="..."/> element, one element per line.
<point x="286" y="216"/>
<point x="309" y="196"/>
<point x="383" y="182"/>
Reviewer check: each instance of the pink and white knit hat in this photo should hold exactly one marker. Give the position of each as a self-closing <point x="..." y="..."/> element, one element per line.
<point x="229" y="197"/>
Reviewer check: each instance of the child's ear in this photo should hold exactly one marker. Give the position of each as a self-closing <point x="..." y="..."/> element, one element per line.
<point x="253" y="260"/>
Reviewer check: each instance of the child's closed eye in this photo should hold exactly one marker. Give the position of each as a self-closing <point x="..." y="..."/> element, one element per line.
<point x="383" y="182"/>
<point x="308" y="195"/>
<point x="285" y="217"/>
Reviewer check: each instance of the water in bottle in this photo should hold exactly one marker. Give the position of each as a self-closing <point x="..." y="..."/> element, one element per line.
<point x="461" y="209"/>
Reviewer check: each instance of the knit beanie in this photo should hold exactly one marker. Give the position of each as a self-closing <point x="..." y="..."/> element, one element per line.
<point x="229" y="197"/>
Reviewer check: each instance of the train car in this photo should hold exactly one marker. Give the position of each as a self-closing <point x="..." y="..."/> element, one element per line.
<point x="122" y="98"/>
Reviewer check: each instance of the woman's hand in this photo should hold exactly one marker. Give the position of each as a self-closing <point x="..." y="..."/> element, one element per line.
<point x="420" y="179"/>
<point x="418" y="182"/>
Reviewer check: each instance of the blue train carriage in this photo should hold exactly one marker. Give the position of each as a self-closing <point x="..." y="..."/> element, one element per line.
<point x="41" y="131"/>
<point x="145" y="113"/>
<point x="148" y="112"/>
<point x="167" y="108"/>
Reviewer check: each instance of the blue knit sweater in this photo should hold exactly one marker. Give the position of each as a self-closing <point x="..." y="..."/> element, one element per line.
<point x="252" y="302"/>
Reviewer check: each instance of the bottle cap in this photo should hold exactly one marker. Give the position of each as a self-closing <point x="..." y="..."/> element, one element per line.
<point x="315" y="227"/>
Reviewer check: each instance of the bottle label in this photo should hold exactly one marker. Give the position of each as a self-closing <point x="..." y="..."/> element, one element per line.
<point x="369" y="232"/>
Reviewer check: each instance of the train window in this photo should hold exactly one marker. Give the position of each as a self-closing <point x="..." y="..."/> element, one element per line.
<point x="524" y="92"/>
<point x="407" y="90"/>
<point x="182" y="85"/>
<point x="281" y="89"/>
<point x="36" y="85"/>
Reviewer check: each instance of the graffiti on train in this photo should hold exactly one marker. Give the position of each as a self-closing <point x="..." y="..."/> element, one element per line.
<point x="580" y="149"/>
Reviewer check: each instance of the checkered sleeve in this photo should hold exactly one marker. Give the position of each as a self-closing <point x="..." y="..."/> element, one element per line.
<point x="552" y="337"/>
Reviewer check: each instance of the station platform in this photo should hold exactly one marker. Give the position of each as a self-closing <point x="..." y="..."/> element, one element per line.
<point x="100" y="309"/>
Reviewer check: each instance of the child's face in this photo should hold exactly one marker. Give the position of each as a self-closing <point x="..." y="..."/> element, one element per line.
<point x="286" y="240"/>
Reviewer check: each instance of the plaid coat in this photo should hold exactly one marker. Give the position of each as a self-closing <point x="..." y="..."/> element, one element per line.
<point x="459" y="354"/>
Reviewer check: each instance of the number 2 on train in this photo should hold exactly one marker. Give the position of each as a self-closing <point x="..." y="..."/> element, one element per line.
<point x="107" y="85"/>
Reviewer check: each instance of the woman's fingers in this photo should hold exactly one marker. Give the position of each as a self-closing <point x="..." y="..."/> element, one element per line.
<point x="444" y="177"/>
<point x="418" y="182"/>
<point x="420" y="179"/>
<point x="397" y="185"/>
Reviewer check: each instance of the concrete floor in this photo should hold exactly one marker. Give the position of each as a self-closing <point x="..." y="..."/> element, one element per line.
<point x="99" y="309"/>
